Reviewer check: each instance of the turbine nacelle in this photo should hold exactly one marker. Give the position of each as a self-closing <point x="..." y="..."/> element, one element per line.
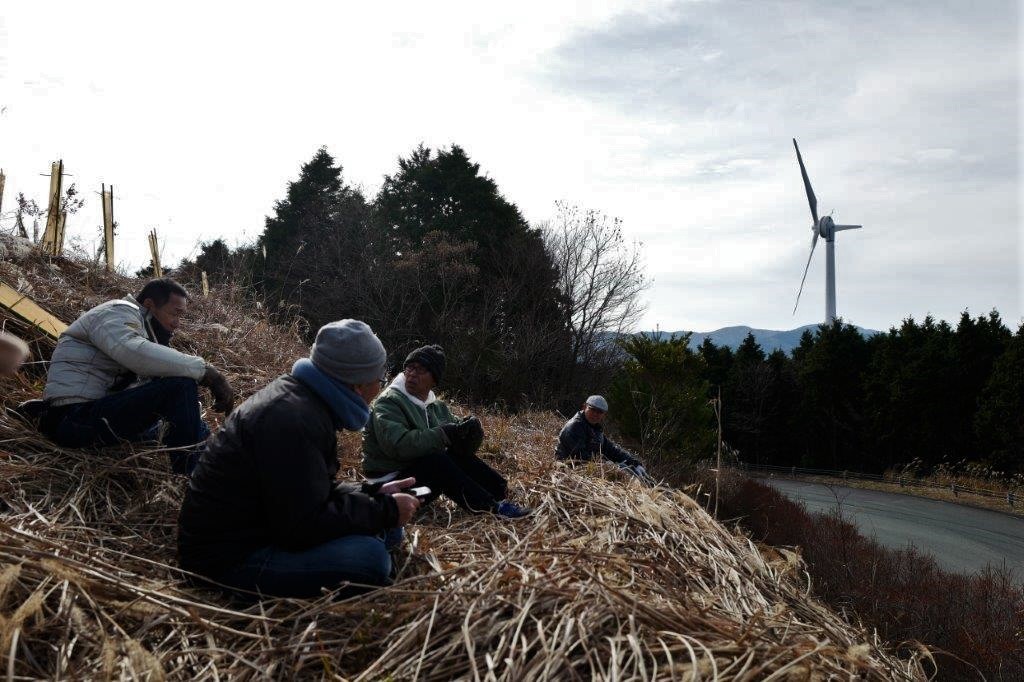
<point x="825" y="227"/>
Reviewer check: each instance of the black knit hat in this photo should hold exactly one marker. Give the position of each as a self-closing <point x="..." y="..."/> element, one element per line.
<point x="431" y="357"/>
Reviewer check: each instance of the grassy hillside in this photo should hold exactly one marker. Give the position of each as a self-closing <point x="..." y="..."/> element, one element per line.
<point x="606" y="580"/>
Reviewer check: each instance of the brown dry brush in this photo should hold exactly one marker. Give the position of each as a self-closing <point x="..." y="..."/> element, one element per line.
<point x="606" y="580"/>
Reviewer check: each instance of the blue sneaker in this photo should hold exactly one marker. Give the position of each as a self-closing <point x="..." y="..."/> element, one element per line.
<point x="511" y="510"/>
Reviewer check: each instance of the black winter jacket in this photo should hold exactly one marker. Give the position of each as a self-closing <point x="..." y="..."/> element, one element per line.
<point x="267" y="479"/>
<point x="581" y="440"/>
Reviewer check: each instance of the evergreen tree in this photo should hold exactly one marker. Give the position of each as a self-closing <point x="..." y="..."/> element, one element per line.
<point x="661" y="397"/>
<point x="999" y="422"/>
<point x="505" y="323"/>
<point x="831" y="400"/>
<point x="313" y="250"/>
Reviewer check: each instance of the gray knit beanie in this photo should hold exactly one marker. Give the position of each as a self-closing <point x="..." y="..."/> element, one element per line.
<point x="349" y="351"/>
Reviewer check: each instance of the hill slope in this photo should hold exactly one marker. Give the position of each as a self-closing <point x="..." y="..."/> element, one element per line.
<point x="606" y="580"/>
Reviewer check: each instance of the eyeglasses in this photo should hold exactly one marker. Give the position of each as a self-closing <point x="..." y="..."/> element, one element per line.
<point x="415" y="368"/>
<point x="383" y="382"/>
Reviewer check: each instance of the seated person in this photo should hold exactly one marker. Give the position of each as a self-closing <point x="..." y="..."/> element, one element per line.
<point x="113" y="377"/>
<point x="582" y="439"/>
<point x="13" y="353"/>
<point x="263" y="512"/>
<point x="412" y="433"/>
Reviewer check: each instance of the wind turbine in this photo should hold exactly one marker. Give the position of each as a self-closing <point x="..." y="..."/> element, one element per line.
<point x="823" y="227"/>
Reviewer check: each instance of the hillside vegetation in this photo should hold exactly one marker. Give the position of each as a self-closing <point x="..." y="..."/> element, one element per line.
<point x="607" y="580"/>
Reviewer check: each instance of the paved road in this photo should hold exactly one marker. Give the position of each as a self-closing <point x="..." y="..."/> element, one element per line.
<point x="960" y="538"/>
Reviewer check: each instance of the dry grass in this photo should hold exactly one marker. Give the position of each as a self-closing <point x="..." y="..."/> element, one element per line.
<point x="607" y="580"/>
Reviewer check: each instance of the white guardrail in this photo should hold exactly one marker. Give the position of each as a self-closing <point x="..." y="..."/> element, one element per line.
<point x="904" y="481"/>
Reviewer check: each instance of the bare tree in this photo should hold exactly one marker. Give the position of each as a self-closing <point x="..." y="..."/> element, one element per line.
<point x="601" y="279"/>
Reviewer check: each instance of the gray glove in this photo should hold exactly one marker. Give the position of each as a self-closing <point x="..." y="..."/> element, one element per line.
<point x="223" y="394"/>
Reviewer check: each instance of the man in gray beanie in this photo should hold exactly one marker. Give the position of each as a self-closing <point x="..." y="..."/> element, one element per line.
<point x="263" y="513"/>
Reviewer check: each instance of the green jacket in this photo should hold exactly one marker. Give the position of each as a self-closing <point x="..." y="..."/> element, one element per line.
<point x="401" y="431"/>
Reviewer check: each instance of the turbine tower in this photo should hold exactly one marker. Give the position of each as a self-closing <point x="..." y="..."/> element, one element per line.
<point x="823" y="227"/>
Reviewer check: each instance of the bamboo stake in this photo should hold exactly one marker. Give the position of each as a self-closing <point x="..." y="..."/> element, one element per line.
<point x="206" y="285"/>
<point x="58" y="242"/>
<point x="3" y="179"/>
<point x="53" y="208"/>
<point x="718" y="464"/>
<point x="108" y="225"/>
<point x="154" y="249"/>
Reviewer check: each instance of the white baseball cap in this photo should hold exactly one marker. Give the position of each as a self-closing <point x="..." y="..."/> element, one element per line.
<point x="598" y="403"/>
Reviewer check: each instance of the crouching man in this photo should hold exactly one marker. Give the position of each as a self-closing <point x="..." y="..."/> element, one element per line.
<point x="582" y="439"/>
<point x="263" y="512"/>
<point x="412" y="433"/>
<point x="113" y="377"/>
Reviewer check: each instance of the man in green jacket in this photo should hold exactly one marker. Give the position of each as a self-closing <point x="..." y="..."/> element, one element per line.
<point x="413" y="434"/>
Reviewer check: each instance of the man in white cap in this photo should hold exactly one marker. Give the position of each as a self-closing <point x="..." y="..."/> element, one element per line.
<point x="263" y="512"/>
<point x="582" y="439"/>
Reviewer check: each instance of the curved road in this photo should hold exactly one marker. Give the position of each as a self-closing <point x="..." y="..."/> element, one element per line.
<point x="962" y="539"/>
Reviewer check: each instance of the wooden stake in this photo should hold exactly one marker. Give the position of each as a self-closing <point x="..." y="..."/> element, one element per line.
<point x="3" y="178"/>
<point x="154" y="249"/>
<point x="28" y="310"/>
<point x="53" y="208"/>
<point x="718" y="466"/>
<point x="206" y="285"/>
<point x="108" y="225"/>
<point x="58" y="241"/>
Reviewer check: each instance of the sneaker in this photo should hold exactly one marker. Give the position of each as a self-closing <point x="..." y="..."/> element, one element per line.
<point x="511" y="510"/>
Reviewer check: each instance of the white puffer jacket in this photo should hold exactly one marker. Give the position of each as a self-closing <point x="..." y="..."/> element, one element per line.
<point x="104" y="344"/>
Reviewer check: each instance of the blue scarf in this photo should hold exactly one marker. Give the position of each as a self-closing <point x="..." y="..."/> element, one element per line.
<point x="347" y="407"/>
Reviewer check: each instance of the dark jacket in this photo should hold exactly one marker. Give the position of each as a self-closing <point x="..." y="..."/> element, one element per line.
<point x="267" y="479"/>
<point x="583" y="441"/>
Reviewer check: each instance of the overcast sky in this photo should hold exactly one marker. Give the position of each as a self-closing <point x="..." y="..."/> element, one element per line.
<point x="675" y="116"/>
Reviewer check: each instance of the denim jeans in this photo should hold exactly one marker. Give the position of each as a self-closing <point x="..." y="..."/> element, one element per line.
<point x="133" y="415"/>
<point x="273" y="571"/>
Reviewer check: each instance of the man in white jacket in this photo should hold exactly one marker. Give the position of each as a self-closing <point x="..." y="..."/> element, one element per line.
<point x="113" y="377"/>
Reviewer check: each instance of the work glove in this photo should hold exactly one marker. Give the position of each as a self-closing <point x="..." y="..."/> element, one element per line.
<point x="464" y="436"/>
<point x="472" y="433"/>
<point x="451" y="433"/>
<point x="640" y="471"/>
<point x="223" y="394"/>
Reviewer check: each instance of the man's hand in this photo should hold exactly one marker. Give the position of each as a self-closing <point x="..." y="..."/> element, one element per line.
<point x="223" y="394"/>
<point x="451" y="433"/>
<point x="471" y="430"/>
<point x="392" y="487"/>
<point x="407" y="506"/>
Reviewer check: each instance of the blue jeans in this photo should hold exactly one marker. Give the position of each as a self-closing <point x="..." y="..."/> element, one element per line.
<point x="360" y="559"/>
<point x="133" y="415"/>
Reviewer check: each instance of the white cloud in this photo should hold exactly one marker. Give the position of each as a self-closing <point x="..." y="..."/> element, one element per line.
<point x="675" y="116"/>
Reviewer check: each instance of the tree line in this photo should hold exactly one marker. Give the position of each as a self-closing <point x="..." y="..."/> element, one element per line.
<point x="440" y="256"/>
<point x="925" y="392"/>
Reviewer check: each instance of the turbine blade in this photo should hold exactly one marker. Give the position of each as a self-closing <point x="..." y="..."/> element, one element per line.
<point x="811" y="199"/>
<point x="846" y="227"/>
<point x="814" y="242"/>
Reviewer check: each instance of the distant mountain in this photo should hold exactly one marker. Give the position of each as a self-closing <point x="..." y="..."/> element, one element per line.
<point x="770" y="339"/>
